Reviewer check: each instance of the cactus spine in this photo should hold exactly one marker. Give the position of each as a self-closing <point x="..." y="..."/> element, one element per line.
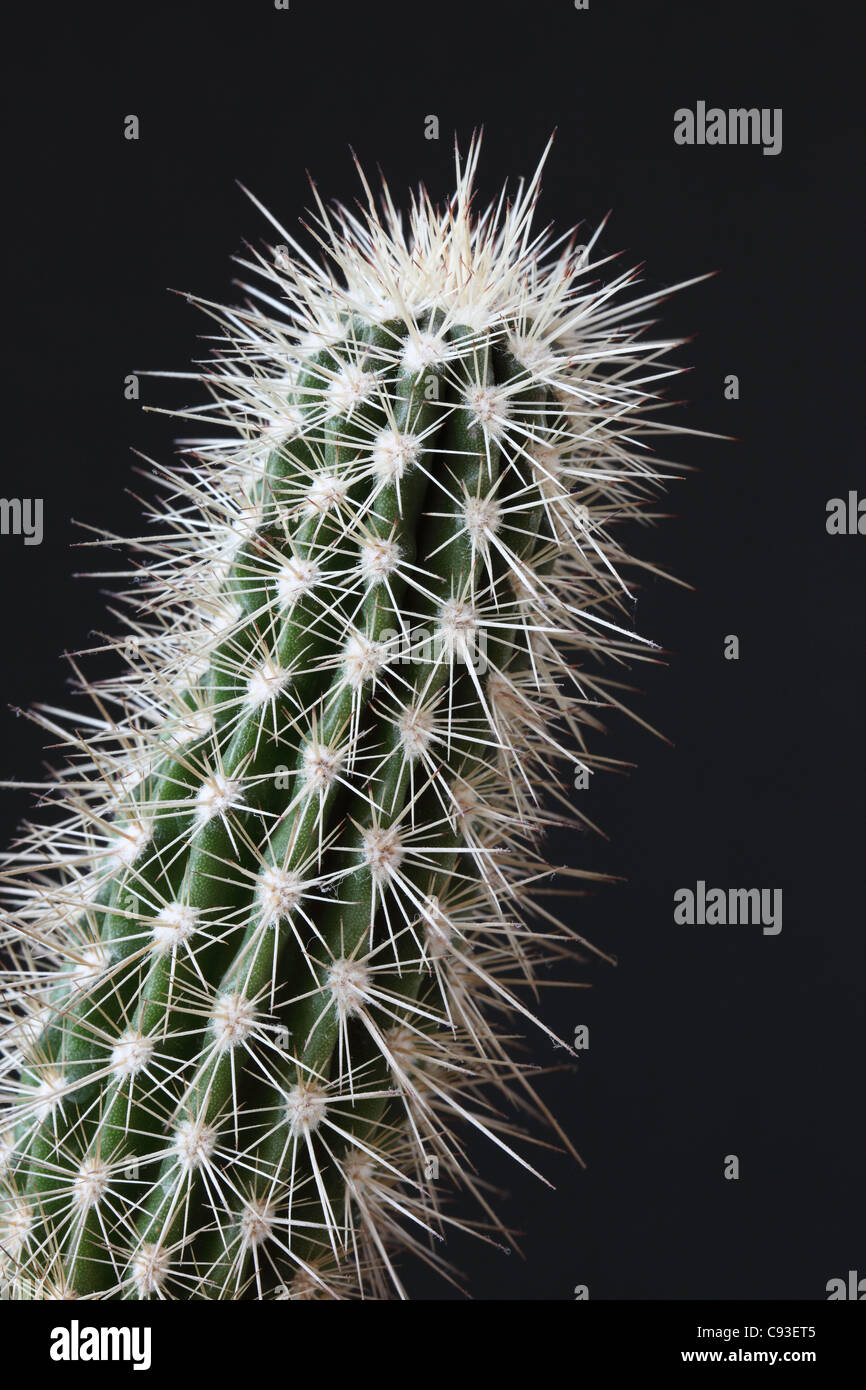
<point x="267" y="959"/>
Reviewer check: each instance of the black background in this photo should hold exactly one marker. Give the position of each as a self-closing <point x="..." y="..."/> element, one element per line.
<point x="703" y="1041"/>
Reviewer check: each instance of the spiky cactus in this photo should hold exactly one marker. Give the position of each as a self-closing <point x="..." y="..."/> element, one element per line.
<point x="268" y="959"/>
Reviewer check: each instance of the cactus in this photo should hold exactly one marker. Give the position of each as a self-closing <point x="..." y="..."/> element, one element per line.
<point x="266" y="963"/>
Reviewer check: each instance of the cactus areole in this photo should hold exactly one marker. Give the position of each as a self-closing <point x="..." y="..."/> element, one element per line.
<point x="267" y="961"/>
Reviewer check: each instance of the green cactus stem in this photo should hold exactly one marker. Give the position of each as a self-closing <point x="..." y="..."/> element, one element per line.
<point x="268" y="958"/>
